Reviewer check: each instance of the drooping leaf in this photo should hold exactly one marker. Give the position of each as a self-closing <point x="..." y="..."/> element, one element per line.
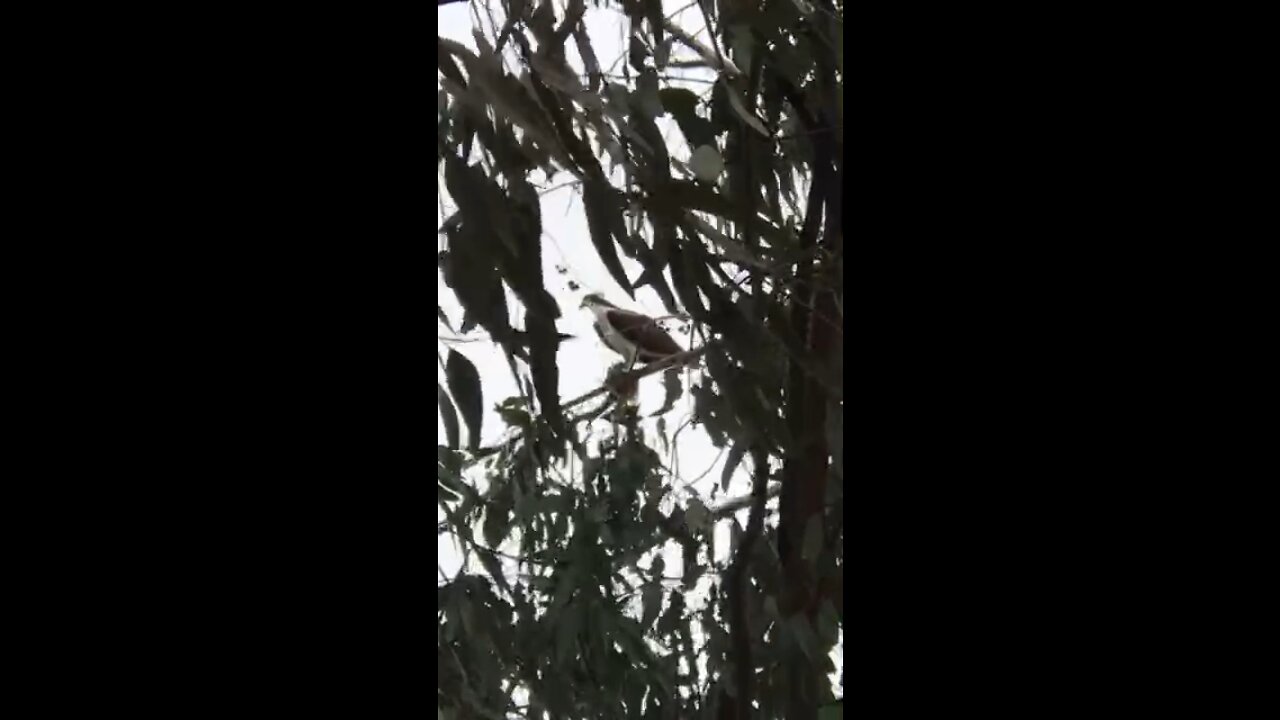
<point x="636" y="53"/>
<point x="679" y="196"/>
<point x="443" y="318"/>
<point x="448" y="474"/>
<point x="696" y="516"/>
<point x="497" y="523"/>
<point x="505" y="93"/>
<point x="662" y="53"/>
<point x="588" y="55"/>
<point x="743" y="44"/>
<point x="682" y="105"/>
<point x="464" y="384"/>
<point x="604" y="220"/>
<point x="709" y="412"/>
<point x="651" y="598"/>
<point x="449" y="415"/>
<point x="448" y="67"/>
<point x="494" y="568"/>
<point x="474" y="280"/>
<point x="672" y="386"/>
<point x="647" y="98"/>
<point x="740" y="107"/>
<point x="685" y="285"/>
<point x="670" y="621"/>
<point x="731" y="464"/>
<point x="590" y="467"/>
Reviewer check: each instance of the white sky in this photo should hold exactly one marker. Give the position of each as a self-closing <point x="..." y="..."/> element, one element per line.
<point x="584" y="360"/>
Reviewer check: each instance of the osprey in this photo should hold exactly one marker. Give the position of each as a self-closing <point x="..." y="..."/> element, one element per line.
<point x="630" y="334"/>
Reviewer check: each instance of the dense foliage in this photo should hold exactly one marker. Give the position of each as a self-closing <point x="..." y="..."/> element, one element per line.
<point x="595" y="585"/>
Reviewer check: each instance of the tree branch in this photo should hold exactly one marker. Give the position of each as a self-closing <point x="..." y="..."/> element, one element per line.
<point x="636" y="375"/>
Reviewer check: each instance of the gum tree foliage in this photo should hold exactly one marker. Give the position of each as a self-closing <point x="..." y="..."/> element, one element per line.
<point x="729" y="194"/>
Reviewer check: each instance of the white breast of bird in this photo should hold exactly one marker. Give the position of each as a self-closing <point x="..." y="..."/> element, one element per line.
<point x="611" y="337"/>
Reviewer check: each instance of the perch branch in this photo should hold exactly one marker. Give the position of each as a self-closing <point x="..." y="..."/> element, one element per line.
<point x="636" y="375"/>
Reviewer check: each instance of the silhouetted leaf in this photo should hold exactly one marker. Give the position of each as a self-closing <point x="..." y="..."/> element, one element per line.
<point x="604" y="219"/>
<point x="651" y="598"/>
<point x="443" y="493"/>
<point x="448" y="67"/>
<point x="648" y="101"/>
<point x="672" y="386"/>
<point x="731" y="463"/>
<point x="448" y="473"/>
<point x="678" y="196"/>
<point x="588" y="55"/>
<point x="497" y="523"/>
<point x="685" y="285"/>
<point x="494" y="567"/>
<point x="464" y="384"/>
<point x="449" y="415"/>
<point x="471" y="274"/>
<point x="662" y="53"/>
<point x="543" y="345"/>
<point x="682" y="105"/>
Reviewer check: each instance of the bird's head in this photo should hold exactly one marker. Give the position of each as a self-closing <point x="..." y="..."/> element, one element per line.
<point x="595" y="300"/>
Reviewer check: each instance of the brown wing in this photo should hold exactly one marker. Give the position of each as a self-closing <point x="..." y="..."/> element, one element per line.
<point x="654" y="342"/>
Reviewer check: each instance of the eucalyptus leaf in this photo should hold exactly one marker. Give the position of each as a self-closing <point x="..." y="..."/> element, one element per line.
<point x="494" y="568"/>
<point x="497" y="524"/>
<point x="604" y="220"/>
<point x="682" y="105"/>
<point x="652" y="604"/>
<point x="740" y="107"/>
<point x="731" y="463"/>
<point x="672" y="386"/>
<point x="648" y="99"/>
<point x="464" y="384"/>
<point x="449" y="415"/>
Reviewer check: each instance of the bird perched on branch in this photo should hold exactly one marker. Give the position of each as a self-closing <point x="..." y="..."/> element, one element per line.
<point x="633" y="335"/>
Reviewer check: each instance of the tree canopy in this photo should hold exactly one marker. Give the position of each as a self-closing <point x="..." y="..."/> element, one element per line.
<point x="709" y="161"/>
